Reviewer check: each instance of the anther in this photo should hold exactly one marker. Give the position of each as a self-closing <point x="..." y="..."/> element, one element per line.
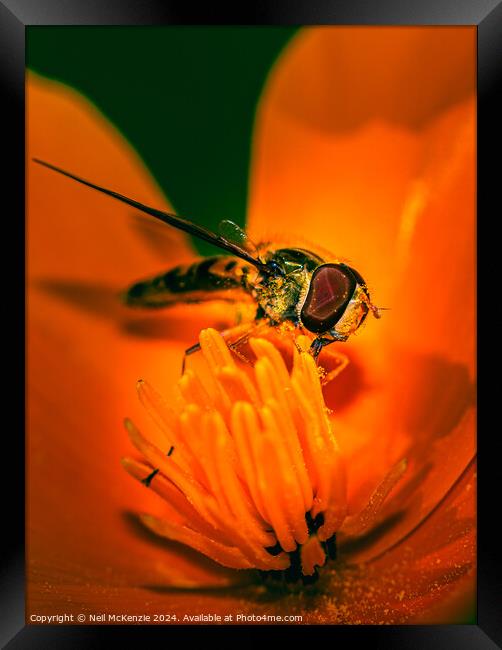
<point x="329" y="547"/>
<point x="274" y="550"/>
<point x="148" y="479"/>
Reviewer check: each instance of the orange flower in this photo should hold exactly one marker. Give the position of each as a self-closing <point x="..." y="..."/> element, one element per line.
<point x="378" y="168"/>
<point x="258" y="481"/>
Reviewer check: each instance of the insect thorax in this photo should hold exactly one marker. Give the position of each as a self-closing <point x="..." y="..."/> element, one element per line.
<point x="280" y="296"/>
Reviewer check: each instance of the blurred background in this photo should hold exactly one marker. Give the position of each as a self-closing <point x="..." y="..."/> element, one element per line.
<point x="184" y="97"/>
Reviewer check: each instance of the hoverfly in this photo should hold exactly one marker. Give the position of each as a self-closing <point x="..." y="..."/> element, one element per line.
<point x="324" y="299"/>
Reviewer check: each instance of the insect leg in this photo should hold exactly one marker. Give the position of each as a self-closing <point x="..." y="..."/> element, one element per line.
<point x="234" y="337"/>
<point x="343" y="362"/>
<point x="317" y="345"/>
<point x="245" y="331"/>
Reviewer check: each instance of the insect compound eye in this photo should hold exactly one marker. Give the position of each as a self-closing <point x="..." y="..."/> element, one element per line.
<point x="331" y="288"/>
<point x="356" y="274"/>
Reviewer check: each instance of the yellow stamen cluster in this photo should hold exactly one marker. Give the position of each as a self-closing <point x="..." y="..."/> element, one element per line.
<point x="247" y="455"/>
<point x="248" y="463"/>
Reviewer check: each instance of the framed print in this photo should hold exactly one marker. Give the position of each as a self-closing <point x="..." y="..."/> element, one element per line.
<point x="249" y="254"/>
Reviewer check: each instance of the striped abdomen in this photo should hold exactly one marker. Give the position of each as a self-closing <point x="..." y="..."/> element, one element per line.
<point x="213" y="278"/>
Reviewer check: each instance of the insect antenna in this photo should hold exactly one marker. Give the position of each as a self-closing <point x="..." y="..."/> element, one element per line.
<point x="376" y="310"/>
<point x="171" y="219"/>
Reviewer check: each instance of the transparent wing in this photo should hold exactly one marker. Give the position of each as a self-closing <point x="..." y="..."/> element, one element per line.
<point x="230" y="231"/>
<point x="171" y="219"/>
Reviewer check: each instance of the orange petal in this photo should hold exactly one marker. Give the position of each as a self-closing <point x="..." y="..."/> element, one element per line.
<point x="344" y="187"/>
<point x="425" y="383"/>
<point x="75" y="232"/>
<point x="84" y="357"/>
<point x="348" y="157"/>
<point x="337" y="78"/>
<point x="428" y="577"/>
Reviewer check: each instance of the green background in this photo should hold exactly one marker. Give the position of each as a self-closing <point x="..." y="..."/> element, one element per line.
<point x="184" y="97"/>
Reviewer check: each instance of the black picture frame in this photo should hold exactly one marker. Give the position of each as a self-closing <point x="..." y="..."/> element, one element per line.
<point x="15" y="15"/>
